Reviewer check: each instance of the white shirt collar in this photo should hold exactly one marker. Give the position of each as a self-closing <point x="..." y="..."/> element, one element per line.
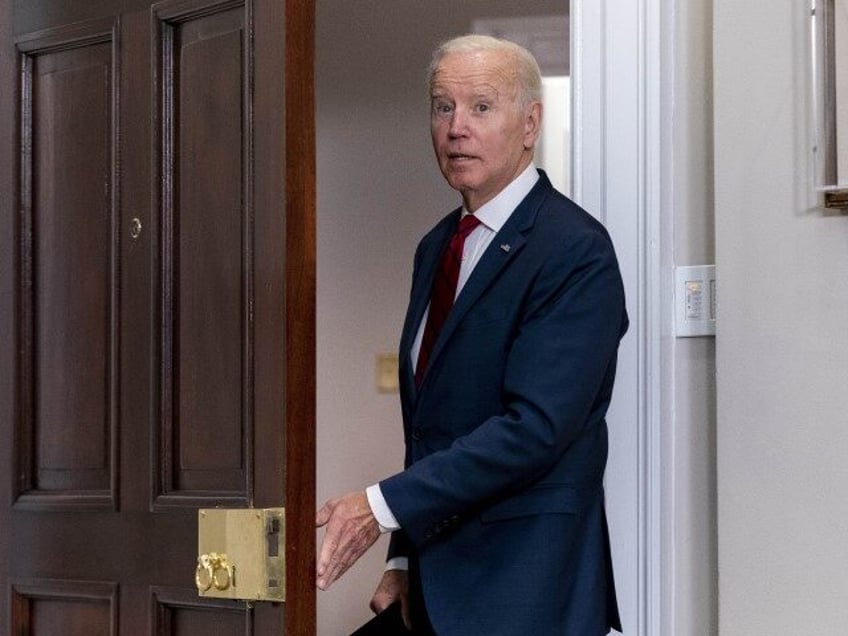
<point x="493" y="214"/>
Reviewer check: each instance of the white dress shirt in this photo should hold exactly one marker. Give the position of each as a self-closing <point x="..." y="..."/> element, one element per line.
<point x="493" y="215"/>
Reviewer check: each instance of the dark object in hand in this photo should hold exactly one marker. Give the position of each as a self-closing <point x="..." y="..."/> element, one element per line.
<point x="389" y="622"/>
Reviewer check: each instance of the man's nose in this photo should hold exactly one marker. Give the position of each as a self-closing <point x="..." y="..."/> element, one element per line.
<point x="458" y="124"/>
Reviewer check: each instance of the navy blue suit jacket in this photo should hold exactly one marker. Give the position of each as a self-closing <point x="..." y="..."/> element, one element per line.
<point x="501" y="502"/>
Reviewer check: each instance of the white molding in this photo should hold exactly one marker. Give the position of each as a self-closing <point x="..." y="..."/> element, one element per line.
<point x="587" y="63"/>
<point x="657" y="182"/>
<point x="619" y="167"/>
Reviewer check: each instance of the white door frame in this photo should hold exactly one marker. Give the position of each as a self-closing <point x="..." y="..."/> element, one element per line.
<point x="619" y="174"/>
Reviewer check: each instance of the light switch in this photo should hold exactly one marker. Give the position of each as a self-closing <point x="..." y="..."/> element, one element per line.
<point x="695" y="299"/>
<point x="387" y="372"/>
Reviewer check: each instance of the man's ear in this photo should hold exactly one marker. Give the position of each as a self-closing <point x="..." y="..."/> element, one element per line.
<point x="532" y="124"/>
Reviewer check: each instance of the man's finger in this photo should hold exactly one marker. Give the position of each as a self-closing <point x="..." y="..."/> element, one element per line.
<point x="381" y="601"/>
<point x="328" y="547"/>
<point x="333" y="548"/>
<point x="393" y="587"/>
<point x="324" y="513"/>
<point x="341" y="556"/>
<point x="338" y="557"/>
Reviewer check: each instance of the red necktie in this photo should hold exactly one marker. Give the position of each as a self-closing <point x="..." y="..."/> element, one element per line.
<point x="444" y="291"/>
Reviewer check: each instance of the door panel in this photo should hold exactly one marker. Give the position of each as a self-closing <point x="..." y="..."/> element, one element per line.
<point x="176" y="613"/>
<point x="71" y="263"/>
<point x="68" y="286"/>
<point x="205" y="253"/>
<point x="156" y="307"/>
<point x="71" y="609"/>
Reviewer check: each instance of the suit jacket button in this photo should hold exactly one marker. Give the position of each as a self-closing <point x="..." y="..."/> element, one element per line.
<point x="416" y="435"/>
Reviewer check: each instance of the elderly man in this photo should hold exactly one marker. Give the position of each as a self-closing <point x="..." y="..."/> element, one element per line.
<point x="507" y="364"/>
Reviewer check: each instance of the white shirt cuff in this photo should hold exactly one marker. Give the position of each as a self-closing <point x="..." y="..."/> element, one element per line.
<point x="380" y="509"/>
<point x="398" y="563"/>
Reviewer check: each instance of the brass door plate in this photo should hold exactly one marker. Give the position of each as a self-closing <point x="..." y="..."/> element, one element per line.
<point x="241" y="554"/>
<point x="387" y="373"/>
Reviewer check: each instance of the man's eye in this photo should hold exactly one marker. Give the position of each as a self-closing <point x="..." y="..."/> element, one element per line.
<point x="442" y="108"/>
<point x="482" y="108"/>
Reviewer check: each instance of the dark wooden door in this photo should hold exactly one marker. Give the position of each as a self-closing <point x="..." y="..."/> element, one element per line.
<point x="156" y="307"/>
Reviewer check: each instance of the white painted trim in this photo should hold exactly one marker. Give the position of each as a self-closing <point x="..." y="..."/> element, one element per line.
<point x="587" y="63"/>
<point x="657" y="96"/>
<point x="631" y="170"/>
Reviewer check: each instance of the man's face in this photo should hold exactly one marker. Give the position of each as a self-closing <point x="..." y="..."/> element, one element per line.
<point x="482" y="135"/>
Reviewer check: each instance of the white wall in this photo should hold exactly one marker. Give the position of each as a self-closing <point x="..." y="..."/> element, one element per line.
<point x="379" y="190"/>
<point x="782" y="346"/>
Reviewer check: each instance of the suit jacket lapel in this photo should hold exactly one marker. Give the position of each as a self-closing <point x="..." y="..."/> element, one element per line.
<point x="422" y="285"/>
<point x="505" y="245"/>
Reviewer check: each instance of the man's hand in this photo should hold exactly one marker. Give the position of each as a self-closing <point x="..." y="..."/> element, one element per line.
<point x="351" y="530"/>
<point x="393" y="586"/>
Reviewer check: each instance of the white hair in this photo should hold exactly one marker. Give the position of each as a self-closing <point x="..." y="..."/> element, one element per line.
<point x="528" y="79"/>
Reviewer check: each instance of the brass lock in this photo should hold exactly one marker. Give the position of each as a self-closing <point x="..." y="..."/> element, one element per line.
<point x="213" y="569"/>
<point x="241" y="554"/>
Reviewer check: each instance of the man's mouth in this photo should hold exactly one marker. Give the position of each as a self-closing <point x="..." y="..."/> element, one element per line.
<point x="458" y="156"/>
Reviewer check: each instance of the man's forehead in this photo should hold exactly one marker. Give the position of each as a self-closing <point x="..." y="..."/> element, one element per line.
<point x="484" y="72"/>
<point x="476" y="88"/>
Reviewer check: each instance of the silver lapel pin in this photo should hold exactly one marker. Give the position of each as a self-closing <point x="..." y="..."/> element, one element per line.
<point x="505" y="247"/>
